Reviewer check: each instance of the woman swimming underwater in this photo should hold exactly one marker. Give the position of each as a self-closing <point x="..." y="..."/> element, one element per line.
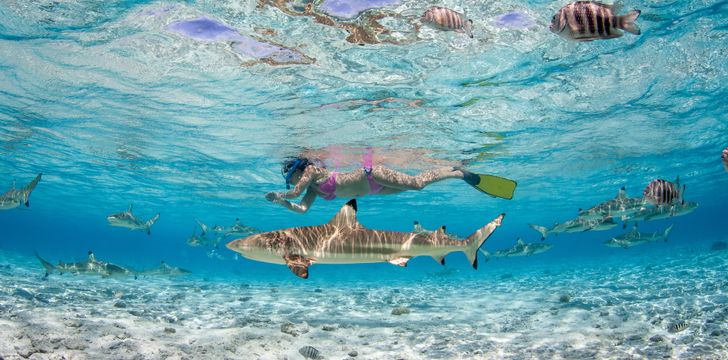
<point x="317" y="181"/>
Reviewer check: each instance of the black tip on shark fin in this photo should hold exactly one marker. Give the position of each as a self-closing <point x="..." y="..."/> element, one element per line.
<point x="442" y="261"/>
<point x="27" y="204"/>
<point x="352" y="203"/>
<point x="475" y="262"/>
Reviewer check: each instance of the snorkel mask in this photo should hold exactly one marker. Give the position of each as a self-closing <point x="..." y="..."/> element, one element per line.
<point x="295" y="166"/>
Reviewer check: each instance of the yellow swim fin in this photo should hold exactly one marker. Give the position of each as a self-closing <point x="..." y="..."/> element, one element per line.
<point x="492" y="185"/>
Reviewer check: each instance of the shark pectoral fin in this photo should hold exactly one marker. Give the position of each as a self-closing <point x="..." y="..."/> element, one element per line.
<point x="298" y="265"/>
<point x="401" y="261"/>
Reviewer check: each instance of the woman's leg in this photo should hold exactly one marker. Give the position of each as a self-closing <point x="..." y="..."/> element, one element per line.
<point x="398" y="180"/>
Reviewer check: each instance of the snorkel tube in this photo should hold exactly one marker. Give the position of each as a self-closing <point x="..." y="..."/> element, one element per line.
<point x="296" y="164"/>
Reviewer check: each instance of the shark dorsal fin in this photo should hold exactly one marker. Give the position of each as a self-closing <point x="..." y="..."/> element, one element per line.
<point x="520" y="242"/>
<point x="622" y="193"/>
<point x="346" y="217"/>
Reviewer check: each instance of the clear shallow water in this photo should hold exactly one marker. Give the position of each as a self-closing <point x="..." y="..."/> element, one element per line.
<point x="115" y="109"/>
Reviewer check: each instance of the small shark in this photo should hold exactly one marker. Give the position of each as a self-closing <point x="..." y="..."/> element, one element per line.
<point x="343" y="240"/>
<point x="89" y="267"/>
<point x="14" y="198"/>
<point x="618" y="207"/>
<point x="520" y="249"/>
<point x="165" y="270"/>
<point x="663" y="211"/>
<point x="128" y="220"/>
<point x="579" y="224"/>
<point x="239" y="229"/>
<point x="634" y="238"/>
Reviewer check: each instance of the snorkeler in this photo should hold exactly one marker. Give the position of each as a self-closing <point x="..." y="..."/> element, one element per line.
<point x="306" y="174"/>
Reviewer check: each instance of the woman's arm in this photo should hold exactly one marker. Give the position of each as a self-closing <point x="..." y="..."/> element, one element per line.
<point x="306" y="179"/>
<point x="301" y="208"/>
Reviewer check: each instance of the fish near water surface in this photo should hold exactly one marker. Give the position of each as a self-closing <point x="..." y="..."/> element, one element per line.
<point x="591" y="20"/>
<point x="128" y="220"/>
<point x="447" y="19"/>
<point x="14" y="198"/>
<point x="343" y="240"/>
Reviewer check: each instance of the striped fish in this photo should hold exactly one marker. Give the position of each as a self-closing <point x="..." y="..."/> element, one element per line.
<point x="447" y="19"/>
<point x="590" y="20"/>
<point x="678" y="327"/>
<point x="724" y="156"/>
<point x="663" y="192"/>
<point x="310" y="352"/>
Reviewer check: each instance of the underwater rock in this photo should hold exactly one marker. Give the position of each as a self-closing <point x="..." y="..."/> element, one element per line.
<point x="292" y="329"/>
<point x="310" y="352"/>
<point x="120" y="304"/>
<point x="514" y="20"/>
<point x="349" y="9"/>
<point x="719" y="245"/>
<point x="169" y="330"/>
<point x="400" y="310"/>
<point x="657" y="338"/>
<point x="328" y="328"/>
<point x="564" y="298"/>
<point x="353" y="353"/>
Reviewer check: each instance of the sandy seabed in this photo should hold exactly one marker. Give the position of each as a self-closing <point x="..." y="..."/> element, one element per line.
<point x="605" y="311"/>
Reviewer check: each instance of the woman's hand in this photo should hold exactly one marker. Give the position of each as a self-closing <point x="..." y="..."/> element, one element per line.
<point x="274" y="197"/>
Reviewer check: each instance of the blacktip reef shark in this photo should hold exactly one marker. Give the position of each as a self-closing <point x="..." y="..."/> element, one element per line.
<point x="89" y="267"/>
<point x="128" y="220"/>
<point x="14" y="198"/>
<point x="579" y="224"/>
<point x="520" y="249"/>
<point x="165" y="269"/>
<point x="634" y="238"/>
<point x="620" y="207"/>
<point x="343" y="240"/>
<point x="663" y="211"/>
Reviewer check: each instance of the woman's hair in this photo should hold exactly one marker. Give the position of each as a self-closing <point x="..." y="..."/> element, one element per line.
<point x="290" y="166"/>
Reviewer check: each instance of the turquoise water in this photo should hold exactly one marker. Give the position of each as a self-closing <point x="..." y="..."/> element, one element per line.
<point x="114" y="109"/>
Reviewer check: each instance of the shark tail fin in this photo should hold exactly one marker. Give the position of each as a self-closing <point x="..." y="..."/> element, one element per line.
<point x="151" y="222"/>
<point x="30" y="187"/>
<point x="667" y="232"/>
<point x="478" y="238"/>
<point x="48" y="266"/>
<point x="542" y="230"/>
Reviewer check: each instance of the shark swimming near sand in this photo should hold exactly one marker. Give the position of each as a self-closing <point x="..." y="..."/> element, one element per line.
<point x="165" y="269"/>
<point x="521" y="248"/>
<point x="14" y="198"/>
<point x="343" y="240"/>
<point x="634" y="238"/>
<point x="89" y="267"/>
<point x="128" y="220"/>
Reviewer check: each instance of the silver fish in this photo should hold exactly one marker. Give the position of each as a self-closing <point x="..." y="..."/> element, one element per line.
<point x="634" y="238"/>
<point x="128" y="220"/>
<point x="310" y="352"/>
<point x="591" y="20"/>
<point x="447" y="19"/>
<point x="343" y="240"/>
<point x="678" y="327"/>
<point x="13" y="198"/>
<point x="663" y="192"/>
